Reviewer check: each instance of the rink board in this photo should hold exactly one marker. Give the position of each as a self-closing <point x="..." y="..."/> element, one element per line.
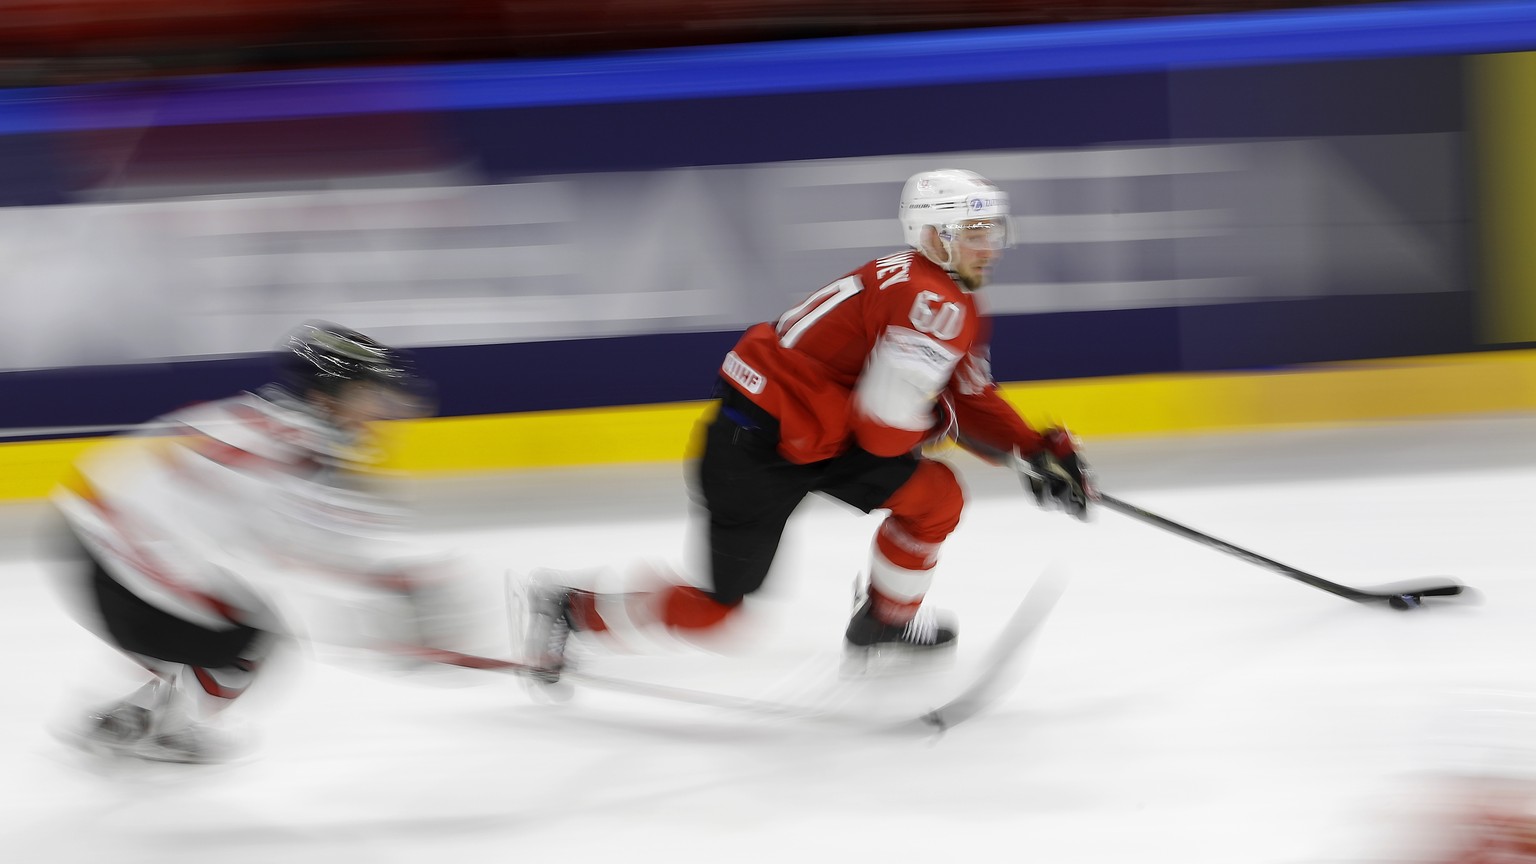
<point x="1335" y="393"/>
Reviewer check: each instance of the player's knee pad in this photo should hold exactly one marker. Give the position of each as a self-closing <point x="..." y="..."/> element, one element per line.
<point x="927" y="507"/>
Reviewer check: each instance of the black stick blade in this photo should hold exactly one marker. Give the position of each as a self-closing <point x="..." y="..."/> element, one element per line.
<point x="1408" y="595"/>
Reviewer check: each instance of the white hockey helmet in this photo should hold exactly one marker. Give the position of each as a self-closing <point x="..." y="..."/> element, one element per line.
<point x="946" y="198"/>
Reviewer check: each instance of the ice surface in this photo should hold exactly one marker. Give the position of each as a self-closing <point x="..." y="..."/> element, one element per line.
<point x="1180" y="705"/>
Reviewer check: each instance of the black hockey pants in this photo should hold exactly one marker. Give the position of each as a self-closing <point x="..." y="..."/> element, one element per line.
<point x="749" y="491"/>
<point x="136" y="626"/>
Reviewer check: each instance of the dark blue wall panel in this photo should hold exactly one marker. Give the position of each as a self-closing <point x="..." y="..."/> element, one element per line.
<point x="503" y="124"/>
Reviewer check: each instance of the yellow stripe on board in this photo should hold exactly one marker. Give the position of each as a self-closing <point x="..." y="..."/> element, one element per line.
<point x="545" y="439"/>
<point x="1357" y="391"/>
<point x="30" y="469"/>
<point x="1504" y="118"/>
<point x="1361" y="391"/>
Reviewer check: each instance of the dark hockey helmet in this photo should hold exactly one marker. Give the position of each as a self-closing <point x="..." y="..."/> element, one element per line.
<point x="323" y="356"/>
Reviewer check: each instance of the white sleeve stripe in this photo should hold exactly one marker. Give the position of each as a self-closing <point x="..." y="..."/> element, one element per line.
<point x="834" y="294"/>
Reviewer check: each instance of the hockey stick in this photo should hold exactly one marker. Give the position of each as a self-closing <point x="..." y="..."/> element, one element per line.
<point x="981" y="692"/>
<point x="1004" y="656"/>
<point x="1402" y="596"/>
<point x="636" y="688"/>
<point x="1399" y="595"/>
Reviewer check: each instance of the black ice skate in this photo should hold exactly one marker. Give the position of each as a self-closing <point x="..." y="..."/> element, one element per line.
<point x="128" y="731"/>
<point x="549" y="626"/>
<point x="928" y="635"/>
<point x="113" y="732"/>
<point x="923" y="632"/>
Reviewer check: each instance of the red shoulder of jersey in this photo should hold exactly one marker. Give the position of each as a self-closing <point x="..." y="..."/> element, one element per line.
<point x="803" y="369"/>
<point x="912" y="293"/>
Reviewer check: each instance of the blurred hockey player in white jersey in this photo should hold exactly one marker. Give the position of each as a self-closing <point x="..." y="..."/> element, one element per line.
<point x="179" y="522"/>
<point x="838" y="397"/>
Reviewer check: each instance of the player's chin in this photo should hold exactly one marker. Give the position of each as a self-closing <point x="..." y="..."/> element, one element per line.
<point x="976" y="279"/>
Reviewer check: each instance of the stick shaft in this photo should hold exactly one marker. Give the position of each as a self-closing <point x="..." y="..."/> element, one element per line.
<point x="1230" y="548"/>
<point x="1381" y="593"/>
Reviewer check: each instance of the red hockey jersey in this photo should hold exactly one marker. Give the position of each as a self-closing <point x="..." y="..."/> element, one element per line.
<point x="863" y="361"/>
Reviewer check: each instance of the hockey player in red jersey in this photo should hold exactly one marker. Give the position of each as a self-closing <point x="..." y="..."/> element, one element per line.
<point x="837" y="397"/>
<point x="179" y="523"/>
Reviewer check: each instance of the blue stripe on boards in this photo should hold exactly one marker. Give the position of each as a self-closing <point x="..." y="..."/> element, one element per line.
<point x="854" y="63"/>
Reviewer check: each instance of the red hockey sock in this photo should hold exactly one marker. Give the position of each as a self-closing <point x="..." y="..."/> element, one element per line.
<point x="584" y="612"/>
<point x="676" y="607"/>
<point x="685" y="608"/>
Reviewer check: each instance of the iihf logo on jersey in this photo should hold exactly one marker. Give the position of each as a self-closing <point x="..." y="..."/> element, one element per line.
<point x="737" y="370"/>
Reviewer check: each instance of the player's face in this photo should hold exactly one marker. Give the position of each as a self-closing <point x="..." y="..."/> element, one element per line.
<point x="976" y="246"/>
<point x="364" y="402"/>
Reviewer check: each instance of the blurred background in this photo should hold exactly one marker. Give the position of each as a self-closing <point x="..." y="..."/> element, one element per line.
<point x="1233" y="215"/>
<point x="578" y="205"/>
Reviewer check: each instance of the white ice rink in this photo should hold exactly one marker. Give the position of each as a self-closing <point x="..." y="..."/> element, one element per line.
<point x="1179" y="705"/>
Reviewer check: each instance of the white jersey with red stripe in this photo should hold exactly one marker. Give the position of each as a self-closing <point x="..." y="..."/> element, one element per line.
<point x="189" y="512"/>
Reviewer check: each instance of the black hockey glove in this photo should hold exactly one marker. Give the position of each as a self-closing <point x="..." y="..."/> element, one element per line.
<point x="1057" y="475"/>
